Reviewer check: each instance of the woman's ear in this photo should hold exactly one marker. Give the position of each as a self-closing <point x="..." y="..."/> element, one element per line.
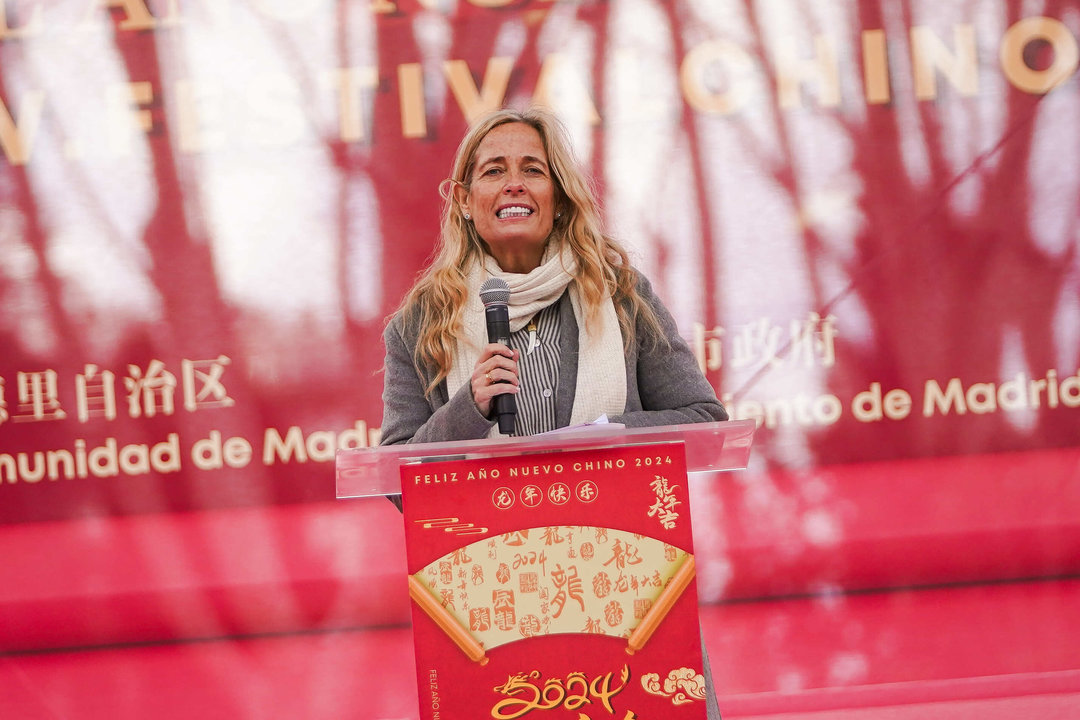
<point x="461" y="197"/>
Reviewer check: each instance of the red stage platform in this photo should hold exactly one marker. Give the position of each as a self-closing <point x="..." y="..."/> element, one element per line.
<point x="995" y="651"/>
<point x="944" y="589"/>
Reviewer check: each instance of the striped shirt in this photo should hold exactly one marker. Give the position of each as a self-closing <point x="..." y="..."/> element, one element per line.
<point x="538" y="371"/>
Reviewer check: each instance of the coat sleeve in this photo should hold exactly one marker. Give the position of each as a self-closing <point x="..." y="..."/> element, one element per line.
<point x="670" y="386"/>
<point x="411" y="417"/>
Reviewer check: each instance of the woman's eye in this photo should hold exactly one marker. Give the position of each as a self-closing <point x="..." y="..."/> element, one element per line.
<point x="493" y="171"/>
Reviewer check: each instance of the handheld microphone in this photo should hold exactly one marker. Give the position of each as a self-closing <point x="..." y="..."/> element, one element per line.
<point x="495" y="294"/>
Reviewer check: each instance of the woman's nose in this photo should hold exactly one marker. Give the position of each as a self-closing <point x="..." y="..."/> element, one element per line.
<point x="514" y="183"/>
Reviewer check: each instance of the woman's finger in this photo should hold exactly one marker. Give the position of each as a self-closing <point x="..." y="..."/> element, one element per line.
<point x="494" y="374"/>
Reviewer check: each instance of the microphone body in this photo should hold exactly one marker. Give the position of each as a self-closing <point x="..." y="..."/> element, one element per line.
<point x="495" y="294"/>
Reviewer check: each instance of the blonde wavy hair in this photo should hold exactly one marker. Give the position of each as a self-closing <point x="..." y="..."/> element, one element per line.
<point x="437" y="299"/>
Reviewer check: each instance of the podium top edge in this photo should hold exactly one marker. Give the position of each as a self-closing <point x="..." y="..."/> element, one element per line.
<point x="710" y="447"/>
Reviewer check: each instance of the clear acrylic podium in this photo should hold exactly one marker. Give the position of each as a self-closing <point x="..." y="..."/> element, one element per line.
<point x="710" y="447"/>
<point x="556" y="571"/>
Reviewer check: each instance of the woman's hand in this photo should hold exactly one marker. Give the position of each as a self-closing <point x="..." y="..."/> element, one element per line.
<point x="495" y="373"/>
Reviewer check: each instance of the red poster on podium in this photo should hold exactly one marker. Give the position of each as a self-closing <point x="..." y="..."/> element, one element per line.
<point x="554" y="585"/>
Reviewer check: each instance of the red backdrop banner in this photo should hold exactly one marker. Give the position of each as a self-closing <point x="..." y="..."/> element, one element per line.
<point x="862" y="214"/>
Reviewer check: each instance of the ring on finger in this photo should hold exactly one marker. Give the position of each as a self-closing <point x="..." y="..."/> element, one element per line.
<point x="487" y="376"/>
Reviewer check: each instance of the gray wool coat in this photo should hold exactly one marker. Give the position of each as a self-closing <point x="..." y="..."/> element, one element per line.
<point x="664" y="385"/>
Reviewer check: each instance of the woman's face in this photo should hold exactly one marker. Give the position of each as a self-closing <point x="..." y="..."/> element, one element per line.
<point x="512" y="196"/>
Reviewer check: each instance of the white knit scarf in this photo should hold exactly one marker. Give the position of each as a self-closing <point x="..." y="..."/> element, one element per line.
<point x="601" y="373"/>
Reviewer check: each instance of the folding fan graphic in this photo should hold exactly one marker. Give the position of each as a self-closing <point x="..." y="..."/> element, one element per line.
<point x="552" y="580"/>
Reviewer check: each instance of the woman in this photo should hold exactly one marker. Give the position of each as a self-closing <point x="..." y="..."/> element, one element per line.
<point x="589" y="336"/>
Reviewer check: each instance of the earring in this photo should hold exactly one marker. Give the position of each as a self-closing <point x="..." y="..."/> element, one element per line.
<point x="468" y="216"/>
<point x="558" y="215"/>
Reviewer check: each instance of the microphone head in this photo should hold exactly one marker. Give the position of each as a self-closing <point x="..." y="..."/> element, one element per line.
<point x="494" y="291"/>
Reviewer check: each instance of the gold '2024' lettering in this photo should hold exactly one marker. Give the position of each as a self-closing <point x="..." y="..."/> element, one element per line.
<point x="525" y="693"/>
